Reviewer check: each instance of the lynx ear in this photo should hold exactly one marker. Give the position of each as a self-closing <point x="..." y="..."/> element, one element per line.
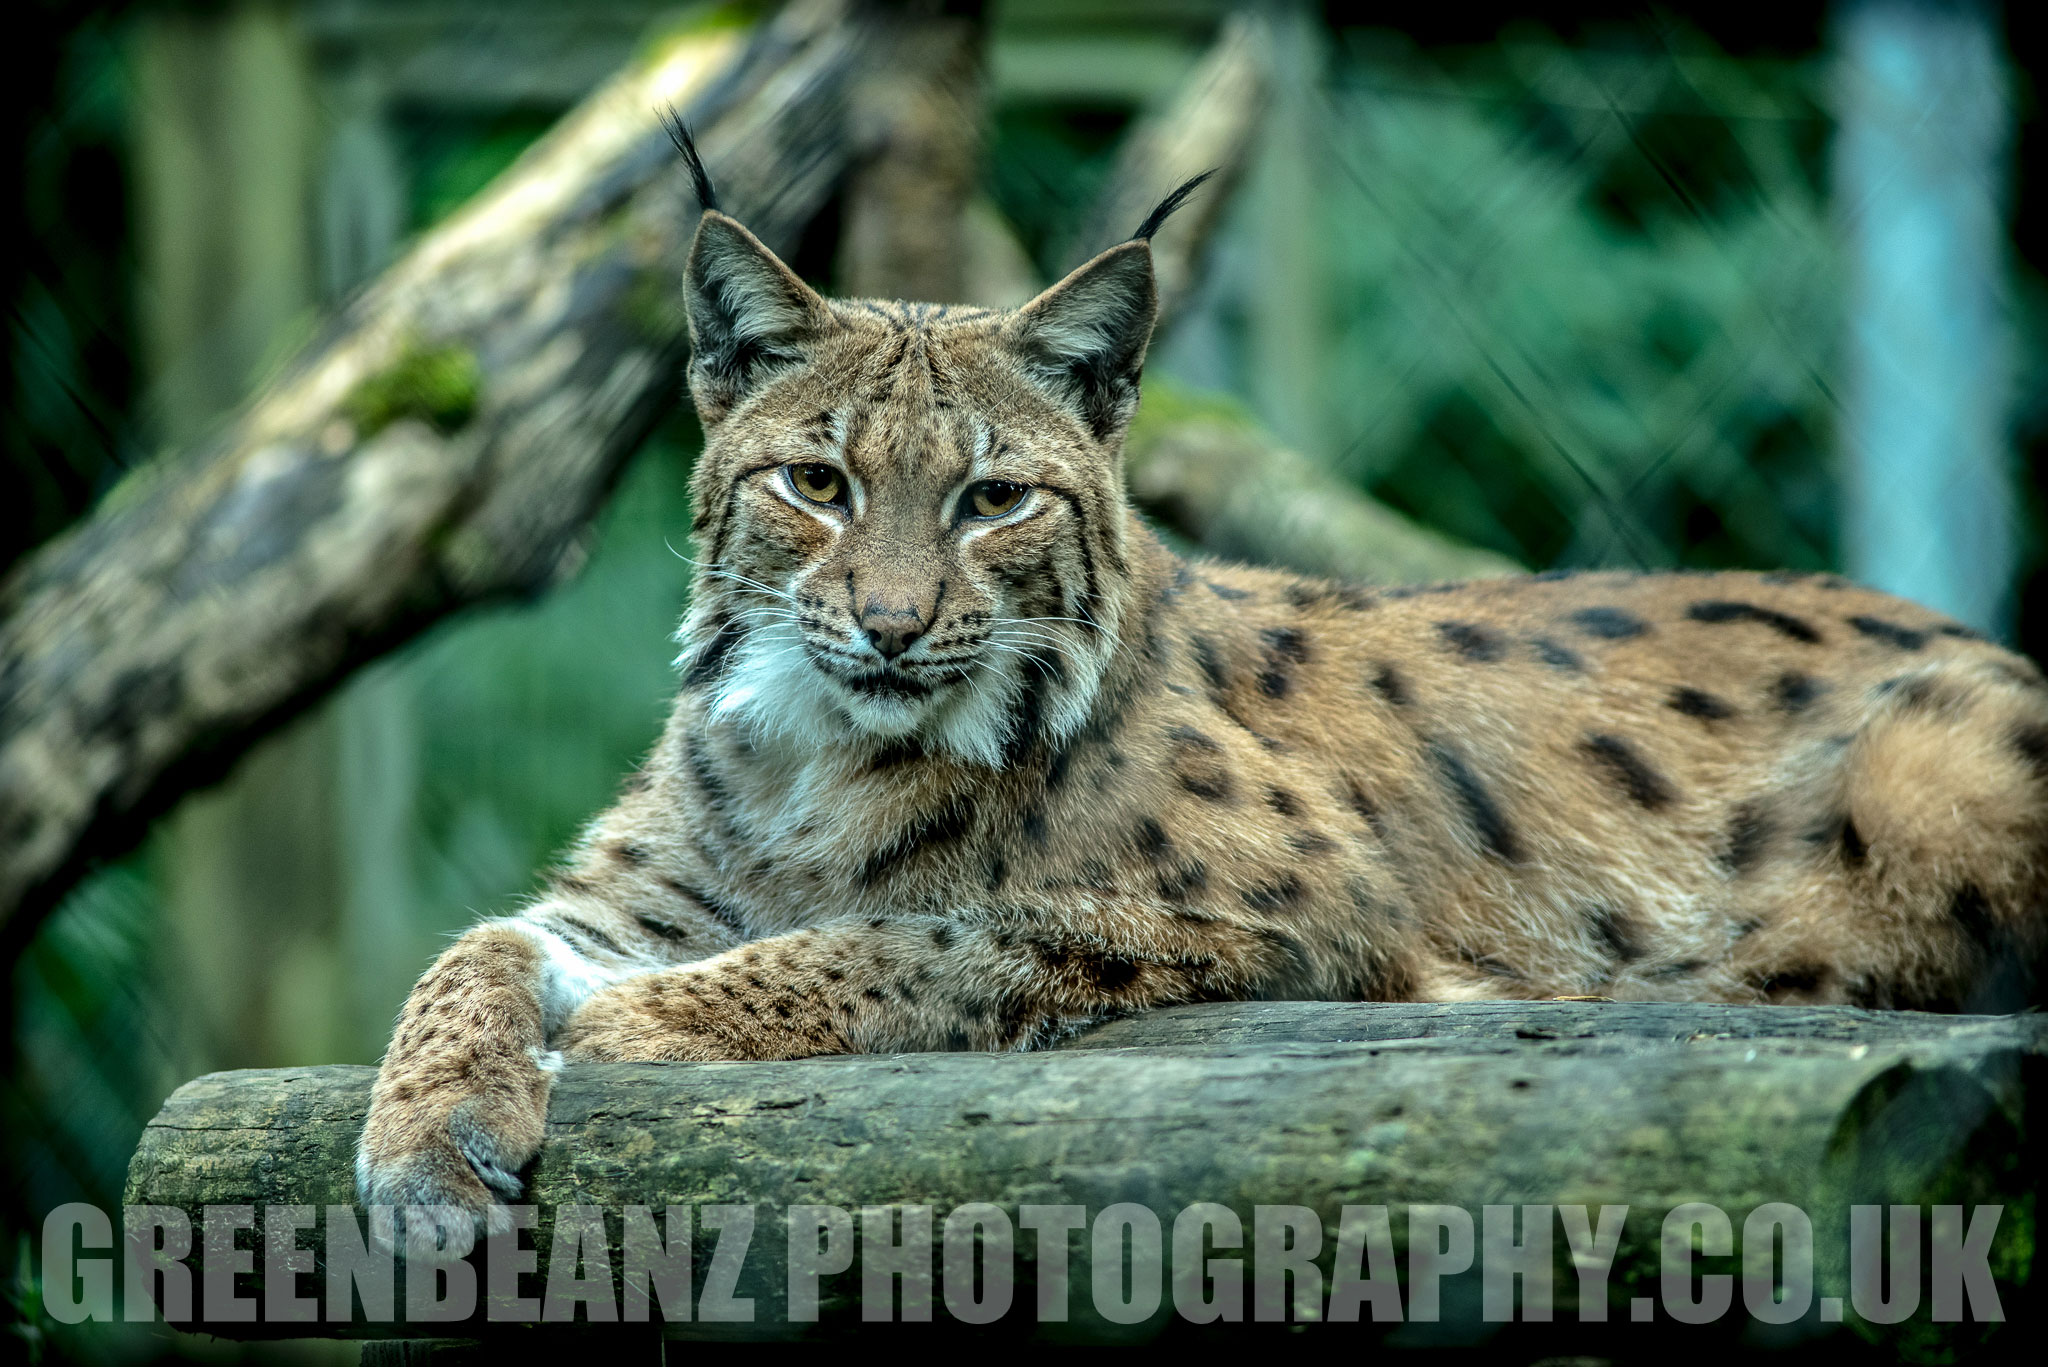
<point x="1084" y="339"/>
<point x="750" y="315"/>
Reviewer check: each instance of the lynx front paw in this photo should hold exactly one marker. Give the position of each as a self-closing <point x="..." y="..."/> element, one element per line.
<point x="453" y="1142"/>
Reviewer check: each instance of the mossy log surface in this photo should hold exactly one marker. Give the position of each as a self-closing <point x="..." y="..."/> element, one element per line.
<point x="1316" y="1105"/>
<point x="445" y="440"/>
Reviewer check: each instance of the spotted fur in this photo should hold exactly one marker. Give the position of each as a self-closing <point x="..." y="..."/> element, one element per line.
<point x="942" y="781"/>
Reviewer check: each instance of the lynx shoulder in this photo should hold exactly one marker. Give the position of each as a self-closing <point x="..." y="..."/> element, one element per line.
<point x="964" y="758"/>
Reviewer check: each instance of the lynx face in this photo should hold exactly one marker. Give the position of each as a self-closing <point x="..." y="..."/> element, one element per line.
<point x="913" y="511"/>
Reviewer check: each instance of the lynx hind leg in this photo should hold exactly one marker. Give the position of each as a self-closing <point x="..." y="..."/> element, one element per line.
<point x="460" y="1101"/>
<point x="1925" y="849"/>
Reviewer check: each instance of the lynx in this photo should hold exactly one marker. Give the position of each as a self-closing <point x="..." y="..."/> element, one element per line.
<point x="965" y="758"/>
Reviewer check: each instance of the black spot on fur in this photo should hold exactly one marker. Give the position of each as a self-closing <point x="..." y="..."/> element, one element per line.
<point x="1795" y="692"/>
<point x="1028" y="716"/>
<point x="1188" y="738"/>
<point x="1490" y="964"/>
<point x="1210" y="787"/>
<point x="1285" y="648"/>
<point x="1355" y="797"/>
<point x="1890" y="633"/>
<point x="1211" y="663"/>
<point x="1959" y="631"/>
<point x="1917" y="693"/>
<point x="1610" y="624"/>
<point x="1971" y="911"/>
<point x="1749" y="834"/>
<point x="1176" y="883"/>
<point x="1033" y="824"/>
<point x="934" y="829"/>
<point x="2030" y="743"/>
<point x="1312" y="843"/>
<point x="655" y="926"/>
<point x="1388" y="683"/>
<point x="1151" y="840"/>
<point x="1694" y="702"/>
<point x="1101" y="972"/>
<point x="590" y="933"/>
<point x="1617" y="931"/>
<point x="1625" y="765"/>
<point x="1283" y="802"/>
<point x="907" y="750"/>
<point x="1227" y="593"/>
<point x="1557" y="656"/>
<point x="1677" y="968"/>
<point x="1284" y="892"/>
<point x="710" y="662"/>
<point x="1286" y="643"/>
<point x="1473" y="641"/>
<point x="1481" y="811"/>
<point x="1838" y="832"/>
<point x="1108" y="973"/>
<point x="1352" y="598"/>
<point x="717" y="910"/>
<point x="1796" y="980"/>
<point x="1722" y="610"/>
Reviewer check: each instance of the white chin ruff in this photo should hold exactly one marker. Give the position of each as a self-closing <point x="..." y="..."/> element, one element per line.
<point x="773" y="690"/>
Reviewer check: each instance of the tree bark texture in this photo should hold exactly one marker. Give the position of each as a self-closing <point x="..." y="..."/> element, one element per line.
<point x="918" y="123"/>
<point x="446" y="440"/>
<point x="1320" y="1105"/>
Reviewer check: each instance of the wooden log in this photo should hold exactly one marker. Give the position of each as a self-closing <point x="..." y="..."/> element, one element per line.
<point x="444" y="441"/>
<point x="1316" y="1105"/>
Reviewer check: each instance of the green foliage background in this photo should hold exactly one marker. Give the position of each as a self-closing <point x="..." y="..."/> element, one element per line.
<point x="1580" y="304"/>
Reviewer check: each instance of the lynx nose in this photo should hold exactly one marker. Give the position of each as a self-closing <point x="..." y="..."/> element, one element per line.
<point x="891" y="633"/>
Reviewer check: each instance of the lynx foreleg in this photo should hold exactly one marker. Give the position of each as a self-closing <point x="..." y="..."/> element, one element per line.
<point x="461" y="1098"/>
<point x="998" y="979"/>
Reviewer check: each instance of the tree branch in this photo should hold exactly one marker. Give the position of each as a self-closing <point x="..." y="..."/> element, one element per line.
<point x="446" y="440"/>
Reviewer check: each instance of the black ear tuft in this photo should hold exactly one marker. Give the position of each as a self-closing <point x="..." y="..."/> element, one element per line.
<point x="679" y="134"/>
<point x="750" y="316"/>
<point x="1156" y="220"/>
<point x="1084" y="339"/>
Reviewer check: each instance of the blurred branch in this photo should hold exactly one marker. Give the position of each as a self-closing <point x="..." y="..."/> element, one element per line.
<point x="446" y="440"/>
<point x="1212" y="123"/>
<point x="918" y="120"/>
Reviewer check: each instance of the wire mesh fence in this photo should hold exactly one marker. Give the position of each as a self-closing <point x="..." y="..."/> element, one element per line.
<point x="1583" y="301"/>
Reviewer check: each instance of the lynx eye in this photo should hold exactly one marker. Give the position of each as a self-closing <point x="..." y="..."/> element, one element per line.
<point x="993" y="497"/>
<point x="818" y="483"/>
